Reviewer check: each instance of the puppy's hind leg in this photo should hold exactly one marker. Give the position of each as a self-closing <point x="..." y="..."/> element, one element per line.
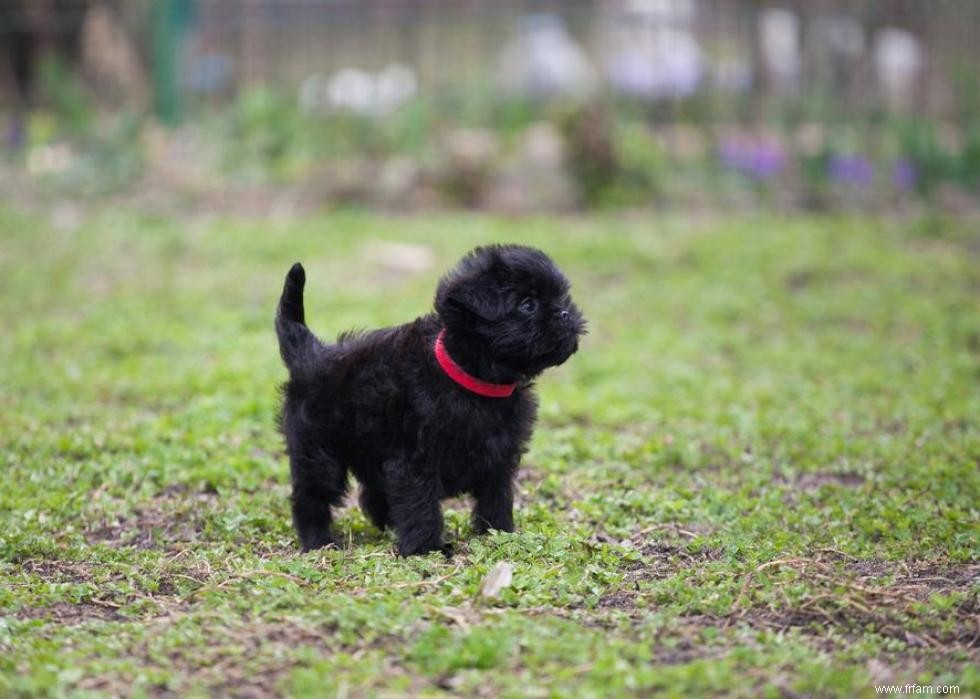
<point x="413" y="500"/>
<point x="319" y="483"/>
<point x="375" y="505"/>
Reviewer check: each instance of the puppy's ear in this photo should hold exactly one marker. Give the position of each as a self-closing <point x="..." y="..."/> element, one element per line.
<point x="472" y="292"/>
<point x="469" y="300"/>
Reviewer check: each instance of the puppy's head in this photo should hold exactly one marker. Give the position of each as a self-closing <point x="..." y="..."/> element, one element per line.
<point x="512" y="303"/>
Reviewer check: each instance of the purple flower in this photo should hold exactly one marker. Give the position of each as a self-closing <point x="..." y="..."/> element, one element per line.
<point x="853" y="170"/>
<point x="759" y="159"/>
<point x="905" y="176"/>
<point x="16" y="134"/>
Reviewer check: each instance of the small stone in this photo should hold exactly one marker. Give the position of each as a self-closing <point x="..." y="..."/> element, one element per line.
<point x="499" y="577"/>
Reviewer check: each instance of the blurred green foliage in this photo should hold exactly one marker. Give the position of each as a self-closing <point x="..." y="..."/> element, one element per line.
<point x="616" y="154"/>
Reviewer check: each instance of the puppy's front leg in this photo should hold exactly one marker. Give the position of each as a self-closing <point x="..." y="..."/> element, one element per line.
<point x="413" y="500"/>
<point x="494" y="506"/>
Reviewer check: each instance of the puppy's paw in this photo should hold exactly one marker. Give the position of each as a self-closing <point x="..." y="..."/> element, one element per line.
<point x="482" y="528"/>
<point x="420" y="549"/>
<point x="501" y="522"/>
<point x="318" y="541"/>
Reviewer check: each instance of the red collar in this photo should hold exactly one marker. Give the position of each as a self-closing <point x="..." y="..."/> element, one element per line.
<point x="470" y="383"/>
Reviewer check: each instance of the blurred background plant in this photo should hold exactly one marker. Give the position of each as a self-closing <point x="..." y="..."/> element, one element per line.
<point x="506" y="105"/>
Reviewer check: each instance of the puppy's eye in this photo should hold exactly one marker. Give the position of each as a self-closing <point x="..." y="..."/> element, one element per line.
<point x="528" y="306"/>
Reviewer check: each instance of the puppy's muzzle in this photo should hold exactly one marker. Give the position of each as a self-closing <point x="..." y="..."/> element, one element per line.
<point x="571" y="320"/>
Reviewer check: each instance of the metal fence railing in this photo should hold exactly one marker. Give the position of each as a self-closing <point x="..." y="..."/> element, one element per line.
<point x="833" y="59"/>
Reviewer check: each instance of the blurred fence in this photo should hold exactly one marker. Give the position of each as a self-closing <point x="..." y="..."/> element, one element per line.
<point x="729" y="59"/>
<point x="510" y="104"/>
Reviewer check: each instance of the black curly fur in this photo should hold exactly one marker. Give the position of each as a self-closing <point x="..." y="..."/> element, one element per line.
<point x="378" y="405"/>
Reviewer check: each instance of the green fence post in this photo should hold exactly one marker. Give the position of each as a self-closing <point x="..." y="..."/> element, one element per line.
<point x="169" y="17"/>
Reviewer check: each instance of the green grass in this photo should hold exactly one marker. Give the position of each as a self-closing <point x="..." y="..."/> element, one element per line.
<point x="758" y="476"/>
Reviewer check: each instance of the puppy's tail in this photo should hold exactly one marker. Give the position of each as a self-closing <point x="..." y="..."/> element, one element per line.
<point x="298" y="346"/>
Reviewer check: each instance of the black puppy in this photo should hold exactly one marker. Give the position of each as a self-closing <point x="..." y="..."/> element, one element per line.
<point x="427" y="410"/>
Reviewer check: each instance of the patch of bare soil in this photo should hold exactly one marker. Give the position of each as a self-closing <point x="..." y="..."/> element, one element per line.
<point x="263" y="648"/>
<point x="621" y="599"/>
<point x="666" y="559"/>
<point x="883" y="597"/>
<point x="815" y="481"/>
<point x="66" y="613"/>
<point x="686" y="641"/>
<point x="848" y="597"/>
<point x="174" y="517"/>
<point x="105" y="606"/>
<point x="56" y="571"/>
<point x="247" y="659"/>
<point x="812" y="482"/>
<point x="661" y="559"/>
<point x="69" y="614"/>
